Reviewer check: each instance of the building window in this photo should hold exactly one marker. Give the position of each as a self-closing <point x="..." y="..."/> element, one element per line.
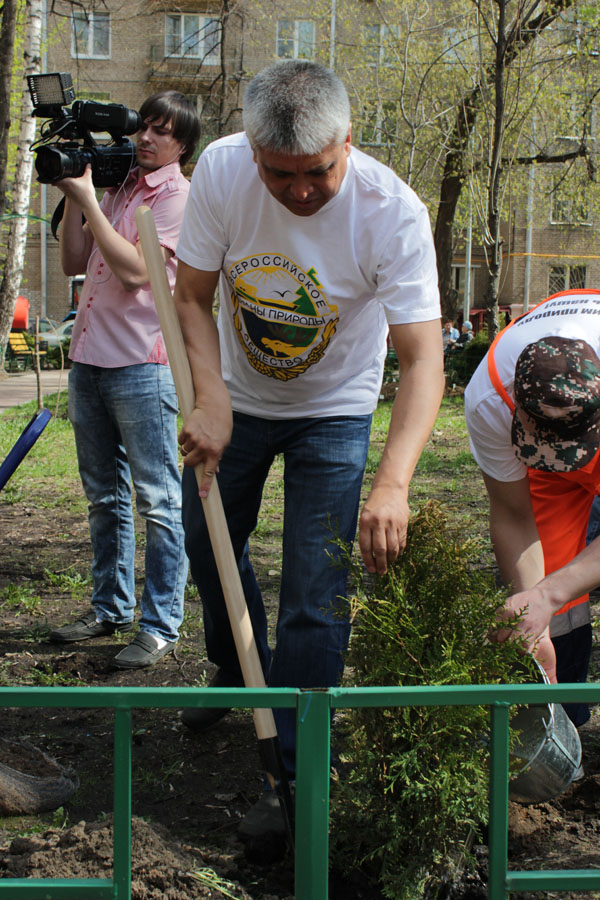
<point x="295" y="39"/>
<point x="193" y="37"/>
<point x="568" y="203"/>
<point x="574" y="116"/>
<point x="380" y="44"/>
<point x="569" y="197"/>
<point x="566" y="278"/>
<point x="91" y="35"/>
<point x="579" y="32"/>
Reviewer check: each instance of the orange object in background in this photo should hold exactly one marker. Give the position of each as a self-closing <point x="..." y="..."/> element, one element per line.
<point x="21" y="317"/>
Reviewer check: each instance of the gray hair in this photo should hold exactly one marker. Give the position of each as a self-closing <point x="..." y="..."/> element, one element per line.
<point x="296" y="107"/>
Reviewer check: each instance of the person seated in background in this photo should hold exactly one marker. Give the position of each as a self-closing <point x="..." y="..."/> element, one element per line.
<point x="466" y="336"/>
<point x="449" y="334"/>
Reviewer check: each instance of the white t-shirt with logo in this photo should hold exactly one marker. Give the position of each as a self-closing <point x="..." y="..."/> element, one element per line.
<point x="305" y="302"/>
<point x="570" y="314"/>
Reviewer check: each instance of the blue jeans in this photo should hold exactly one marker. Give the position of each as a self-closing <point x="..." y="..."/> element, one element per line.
<point x="324" y="462"/>
<point x="573" y="654"/>
<point x="125" y="423"/>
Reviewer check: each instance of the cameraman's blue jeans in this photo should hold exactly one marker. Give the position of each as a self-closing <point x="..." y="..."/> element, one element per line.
<point x="125" y="423"/>
<point x="324" y="463"/>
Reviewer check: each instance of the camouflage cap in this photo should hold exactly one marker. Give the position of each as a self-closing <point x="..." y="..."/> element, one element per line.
<point x="556" y="425"/>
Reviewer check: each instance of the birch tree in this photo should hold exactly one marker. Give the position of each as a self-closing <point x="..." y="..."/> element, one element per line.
<point x="21" y="186"/>
<point x="7" y="44"/>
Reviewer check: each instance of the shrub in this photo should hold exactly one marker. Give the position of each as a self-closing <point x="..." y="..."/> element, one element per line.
<point x="58" y="357"/>
<point x="461" y="364"/>
<point x="413" y="782"/>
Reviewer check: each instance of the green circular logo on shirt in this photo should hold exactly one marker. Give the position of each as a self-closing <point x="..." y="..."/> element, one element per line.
<point x="282" y="319"/>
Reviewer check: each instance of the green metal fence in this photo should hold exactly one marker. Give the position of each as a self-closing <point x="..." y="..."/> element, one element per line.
<point x="313" y="715"/>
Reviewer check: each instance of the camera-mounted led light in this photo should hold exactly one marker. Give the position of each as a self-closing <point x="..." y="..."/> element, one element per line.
<point x="50" y="93"/>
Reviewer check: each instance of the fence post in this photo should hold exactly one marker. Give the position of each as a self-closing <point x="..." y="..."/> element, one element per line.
<point x="312" y="795"/>
<point x="122" y="804"/>
<point x="498" y="824"/>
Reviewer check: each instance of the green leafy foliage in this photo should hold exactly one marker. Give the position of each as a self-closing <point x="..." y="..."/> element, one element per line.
<point x="57" y="356"/>
<point x="413" y="781"/>
<point x="19" y="597"/>
<point x="460" y="364"/>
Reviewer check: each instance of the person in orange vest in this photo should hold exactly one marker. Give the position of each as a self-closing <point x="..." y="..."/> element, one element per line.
<point x="533" y="414"/>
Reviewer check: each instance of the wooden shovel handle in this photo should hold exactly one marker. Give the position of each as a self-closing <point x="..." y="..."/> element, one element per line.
<point x="235" y="600"/>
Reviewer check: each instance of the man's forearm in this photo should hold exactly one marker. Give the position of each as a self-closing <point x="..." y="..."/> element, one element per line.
<point x="514" y="533"/>
<point x="518" y="553"/>
<point x="122" y="257"/>
<point x="201" y="340"/>
<point x="414" y="412"/>
<point x="206" y="431"/>
<point x="577" y="578"/>
<point x="384" y="518"/>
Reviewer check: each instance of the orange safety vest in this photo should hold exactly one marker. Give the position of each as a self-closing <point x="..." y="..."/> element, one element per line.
<point x="561" y="501"/>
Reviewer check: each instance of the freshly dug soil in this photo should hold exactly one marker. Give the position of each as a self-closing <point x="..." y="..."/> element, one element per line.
<point x="189" y="791"/>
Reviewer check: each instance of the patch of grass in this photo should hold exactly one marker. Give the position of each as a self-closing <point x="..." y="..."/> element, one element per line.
<point x="70" y="582"/>
<point x="18" y="597"/>
<point x="51" y="461"/>
<point x="60" y="819"/>
<point x="45" y="676"/>
<point x="162" y="776"/>
<point x="26" y="826"/>
<point x="34" y="635"/>
<point x="191" y="591"/>
<point x="5" y="679"/>
<point x="12" y="493"/>
<point x="210" y="879"/>
<point x="373" y="460"/>
<point x="381" y="420"/>
<point x="264" y="528"/>
<point x="449" y="464"/>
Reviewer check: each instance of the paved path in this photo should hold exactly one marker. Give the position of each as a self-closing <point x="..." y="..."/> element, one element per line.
<point x="19" y="387"/>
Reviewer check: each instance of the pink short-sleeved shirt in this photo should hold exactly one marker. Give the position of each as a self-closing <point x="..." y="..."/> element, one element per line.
<point x="115" y="327"/>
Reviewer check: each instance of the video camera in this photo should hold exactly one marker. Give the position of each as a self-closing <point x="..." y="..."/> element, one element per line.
<point x="66" y="145"/>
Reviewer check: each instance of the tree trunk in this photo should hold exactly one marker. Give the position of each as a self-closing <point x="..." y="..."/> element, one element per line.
<point x="7" y="46"/>
<point x="493" y="236"/>
<point x="451" y="185"/>
<point x="21" y="192"/>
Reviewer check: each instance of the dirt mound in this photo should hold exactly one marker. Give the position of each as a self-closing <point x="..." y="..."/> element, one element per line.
<point x="162" y="869"/>
<point x="562" y="834"/>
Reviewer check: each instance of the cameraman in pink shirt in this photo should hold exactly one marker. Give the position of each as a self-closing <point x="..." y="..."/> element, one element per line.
<point x="122" y="400"/>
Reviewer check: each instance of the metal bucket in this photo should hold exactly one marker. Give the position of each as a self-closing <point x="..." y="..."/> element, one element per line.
<point x="549" y="747"/>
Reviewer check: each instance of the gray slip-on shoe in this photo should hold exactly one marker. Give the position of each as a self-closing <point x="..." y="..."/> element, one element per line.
<point x="87" y="627"/>
<point x="142" y="652"/>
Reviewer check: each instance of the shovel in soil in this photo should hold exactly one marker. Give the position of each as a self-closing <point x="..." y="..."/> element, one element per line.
<point x="237" y="610"/>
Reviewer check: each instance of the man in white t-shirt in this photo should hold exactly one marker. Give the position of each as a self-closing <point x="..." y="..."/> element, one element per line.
<point x="533" y="413"/>
<point x="317" y="250"/>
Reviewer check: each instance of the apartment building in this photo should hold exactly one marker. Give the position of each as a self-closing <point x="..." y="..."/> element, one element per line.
<point x="121" y="51"/>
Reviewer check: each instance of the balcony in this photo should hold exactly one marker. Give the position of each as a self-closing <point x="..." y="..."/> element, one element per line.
<point x="177" y="69"/>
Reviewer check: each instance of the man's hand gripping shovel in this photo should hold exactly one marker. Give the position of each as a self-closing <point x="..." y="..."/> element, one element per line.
<point x="237" y="610"/>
